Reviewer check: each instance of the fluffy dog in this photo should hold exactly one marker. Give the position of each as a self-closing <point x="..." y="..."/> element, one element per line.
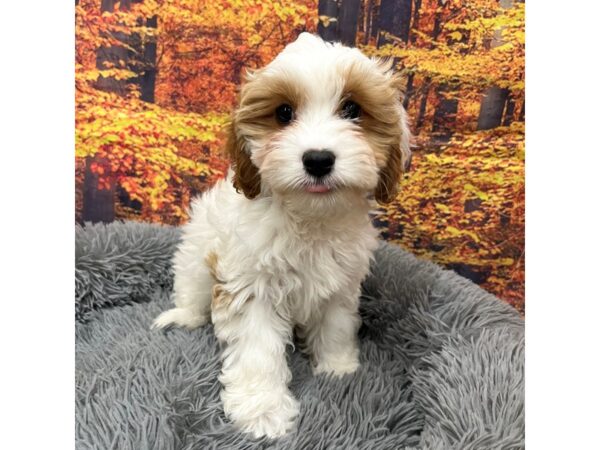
<point x="284" y="242"/>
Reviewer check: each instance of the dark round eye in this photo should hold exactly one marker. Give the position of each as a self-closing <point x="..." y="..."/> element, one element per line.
<point x="350" y="110"/>
<point x="284" y="114"/>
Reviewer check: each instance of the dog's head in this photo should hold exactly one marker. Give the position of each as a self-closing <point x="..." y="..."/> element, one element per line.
<point x="320" y="121"/>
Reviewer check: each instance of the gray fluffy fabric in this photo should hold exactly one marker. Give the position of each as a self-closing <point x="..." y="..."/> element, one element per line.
<point x="441" y="360"/>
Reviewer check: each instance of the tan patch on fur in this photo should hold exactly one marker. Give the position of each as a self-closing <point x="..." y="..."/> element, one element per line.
<point x="389" y="177"/>
<point x="379" y="95"/>
<point x="220" y="297"/>
<point x="246" y="177"/>
<point x="212" y="260"/>
<point x="262" y="93"/>
<point x="255" y="119"/>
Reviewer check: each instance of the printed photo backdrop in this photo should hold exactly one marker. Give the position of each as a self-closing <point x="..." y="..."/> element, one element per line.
<point x="156" y="81"/>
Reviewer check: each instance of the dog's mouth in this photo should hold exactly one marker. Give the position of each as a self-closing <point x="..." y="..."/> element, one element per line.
<point x="318" y="186"/>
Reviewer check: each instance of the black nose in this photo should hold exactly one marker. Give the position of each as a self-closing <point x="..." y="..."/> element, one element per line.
<point x="318" y="162"/>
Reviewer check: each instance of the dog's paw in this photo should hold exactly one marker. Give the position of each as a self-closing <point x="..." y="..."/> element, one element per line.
<point x="338" y="365"/>
<point x="180" y="317"/>
<point x="264" y="414"/>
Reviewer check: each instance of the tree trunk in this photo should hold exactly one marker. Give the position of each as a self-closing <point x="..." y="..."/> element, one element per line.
<point x="509" y="114"/>
<point x="444" y="118"/>
<point x="423" y="105"/>
<point x="107" y="57"/>
<point x="141" y="59"/>
<point x="494" y="98"/>
<point x="348" y="21"/>
<point x="492" y="108"/>
<point x="328" y="20"/>
<point x="148" y="76"/>
<point x="368" y="17"/>
<point x="427" y="82"/>
<point x="375" y="19"/>
<point x="437" y="22"/>
<point x="522" y="112"/>
<point x="412" y="37"/>
<point x="394" y="18"/>
<point x="416" y="19"/>
<point x="99" y="204"/>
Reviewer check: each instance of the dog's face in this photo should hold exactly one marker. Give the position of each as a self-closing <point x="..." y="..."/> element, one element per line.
<point x="320" y="122"/>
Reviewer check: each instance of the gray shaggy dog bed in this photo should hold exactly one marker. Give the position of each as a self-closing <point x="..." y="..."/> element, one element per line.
<point x="441" y="360"/>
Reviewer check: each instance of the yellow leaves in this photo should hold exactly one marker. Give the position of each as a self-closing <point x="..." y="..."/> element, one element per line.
<point x="455" y="35"/>
<point x="143" y="144"/>
<point x="161" y="155"/>
<point x="519" y="36"/>
<point x="93" y="75"/>
<point x="291" y="12"/>
<point x="462" y="53"/>
<point x="505" y="261"/>
<point x="454" y="232"/>
<point x="443" y="208"/>
<point x="517" y="86"/>
<point x="480" y="194"/>
<point x="464" y="203"/>
<point x="432" y="157"/>
<point x="506" y="47"/>
<point x="255" y="39"/>
<point x="326" y="20"/>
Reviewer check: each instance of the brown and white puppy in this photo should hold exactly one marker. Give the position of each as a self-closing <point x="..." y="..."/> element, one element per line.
<point x="285" y="241"/>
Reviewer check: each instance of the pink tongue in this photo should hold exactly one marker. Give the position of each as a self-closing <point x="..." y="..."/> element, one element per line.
<point x="317" y="188"/>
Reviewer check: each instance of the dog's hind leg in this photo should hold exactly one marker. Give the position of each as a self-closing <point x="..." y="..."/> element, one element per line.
<point x="192" y="291"/>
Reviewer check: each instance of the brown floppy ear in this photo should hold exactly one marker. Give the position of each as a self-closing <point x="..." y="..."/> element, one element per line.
<point x="398" y="162"/>
<point x="246" y="177"/>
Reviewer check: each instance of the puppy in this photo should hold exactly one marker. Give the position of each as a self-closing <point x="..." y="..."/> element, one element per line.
<point x="284" y="242"/>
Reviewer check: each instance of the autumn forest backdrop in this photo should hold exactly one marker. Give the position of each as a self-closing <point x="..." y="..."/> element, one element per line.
<point x="157" y="79"/>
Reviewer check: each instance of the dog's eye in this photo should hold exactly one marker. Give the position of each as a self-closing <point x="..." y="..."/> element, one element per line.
<point x="350" y="110"/>
<point x="284" y="114"/>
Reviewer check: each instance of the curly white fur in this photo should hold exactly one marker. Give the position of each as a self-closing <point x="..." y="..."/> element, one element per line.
<point x="288" y="259"/>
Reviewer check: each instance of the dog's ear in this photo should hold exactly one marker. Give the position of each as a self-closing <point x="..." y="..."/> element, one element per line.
<point x="246" y="177"/>
<point x="398" y="162"/>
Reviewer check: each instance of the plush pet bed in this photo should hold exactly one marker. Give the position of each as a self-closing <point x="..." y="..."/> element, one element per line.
<point x="441" y="360"/>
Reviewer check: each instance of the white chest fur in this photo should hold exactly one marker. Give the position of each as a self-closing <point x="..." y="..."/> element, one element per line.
<point x="267" y="251"/>
<point x="302" y="271"/>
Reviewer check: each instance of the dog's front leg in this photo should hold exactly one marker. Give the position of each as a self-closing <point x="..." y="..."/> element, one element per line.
<point x="332" y="339"/>
<point x="255" y="373"/>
